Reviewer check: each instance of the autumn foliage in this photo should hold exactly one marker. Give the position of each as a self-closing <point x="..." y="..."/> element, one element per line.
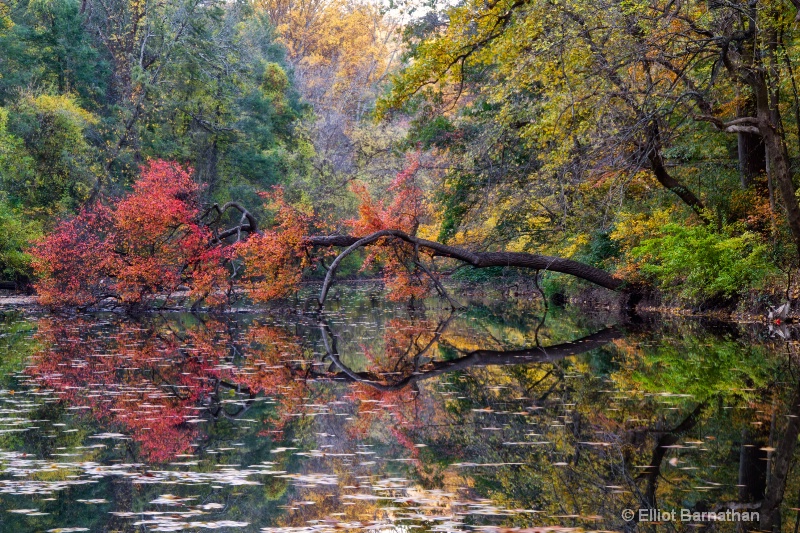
<point x="274" y="260"/>
<point x="156" y="385"/>
<point x="148" y="243"/>
<point x="157" y="239"/>
<point x="154" y="241"/>
<point x="402" y="273"/>
<point x="137" y="382"/>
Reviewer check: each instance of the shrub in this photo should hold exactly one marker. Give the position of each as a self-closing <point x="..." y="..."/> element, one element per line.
<point x="696" y="263"/>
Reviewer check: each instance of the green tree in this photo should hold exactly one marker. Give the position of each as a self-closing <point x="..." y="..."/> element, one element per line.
<point x="16" y="234"/>
<point x="47" y="165"/>
<point x="609" y="103"/>
<point x="48" y="47"/>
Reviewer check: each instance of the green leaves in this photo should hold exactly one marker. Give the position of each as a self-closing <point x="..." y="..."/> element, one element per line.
<point x="696" y="263"/>
<point x="16" y="234"/>
<point x="46" y="162"/>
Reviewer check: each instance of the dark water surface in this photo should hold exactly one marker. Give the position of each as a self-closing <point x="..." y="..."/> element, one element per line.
<point x="382" y="419"/>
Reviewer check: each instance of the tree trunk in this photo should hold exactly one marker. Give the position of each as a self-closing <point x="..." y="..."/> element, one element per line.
<point x="781" y="176"/>
<point x="777" y="158"/>
<point x="476" y="259"/>
<point x="671" y="184"/>
<point x="752" y="157"/>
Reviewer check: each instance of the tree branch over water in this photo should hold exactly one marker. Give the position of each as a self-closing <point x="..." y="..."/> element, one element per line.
<point x="475" y="259"/>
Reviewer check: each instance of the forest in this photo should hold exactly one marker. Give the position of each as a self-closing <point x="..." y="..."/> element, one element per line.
<point x="225" y="149"/>
<point x="466" y="266"/>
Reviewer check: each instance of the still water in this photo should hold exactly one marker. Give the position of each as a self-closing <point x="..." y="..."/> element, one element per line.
<point x="376" y="417"/>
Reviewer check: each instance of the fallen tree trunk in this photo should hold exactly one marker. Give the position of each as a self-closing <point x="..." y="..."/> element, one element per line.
<point x="476" y="259"/>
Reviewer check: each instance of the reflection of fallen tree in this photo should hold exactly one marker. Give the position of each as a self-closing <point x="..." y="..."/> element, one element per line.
<point x="476" y="358"/>
<point x="667" y="440"/>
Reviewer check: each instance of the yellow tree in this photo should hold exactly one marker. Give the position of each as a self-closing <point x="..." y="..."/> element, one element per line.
<point x="593" y="88"/>
<point x="340" y="52"/>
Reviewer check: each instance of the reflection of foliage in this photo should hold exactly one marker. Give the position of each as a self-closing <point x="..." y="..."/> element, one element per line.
<point x="138" y="382"/>
<point x="527" y="428"/>
<point x="567" y="441"/>
<point x="693" y="367"/>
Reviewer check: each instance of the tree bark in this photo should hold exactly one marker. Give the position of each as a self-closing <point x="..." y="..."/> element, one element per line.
<point x="752" y="157"/>
<point x="777" y="159"/>
<point x="673" y="185"/>
<point x="476" y="259"/>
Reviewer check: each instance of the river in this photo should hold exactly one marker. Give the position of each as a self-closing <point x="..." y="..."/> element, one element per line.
<point x="503" y="416"/>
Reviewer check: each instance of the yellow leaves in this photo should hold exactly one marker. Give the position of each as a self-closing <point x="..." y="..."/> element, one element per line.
<point x="337" y="47"/>
<point x="468" y="39"/>
<point x="633" y="228"/>
<point x="576" y="244"/>
<point x="62" y="105"/>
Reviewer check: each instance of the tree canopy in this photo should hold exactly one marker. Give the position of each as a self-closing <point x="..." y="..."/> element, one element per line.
<point x="639" y="146"/>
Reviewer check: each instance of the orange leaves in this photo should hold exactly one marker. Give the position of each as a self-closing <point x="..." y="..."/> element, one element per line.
<point x="406" y="207"/>
<point x="405" y="210"/>
<point x="156" y="239"/>
<point x="274" y="260"/>
<point x="404" y="283"/>
<point x="164" y="197"/>
<point x="371" y="213"/>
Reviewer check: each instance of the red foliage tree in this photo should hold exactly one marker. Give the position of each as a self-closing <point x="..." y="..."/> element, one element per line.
<point x="148" y="243"/>
<point x="156" y="239"/>
<point x="402" y="271"/>
<point x="274" y="260"/>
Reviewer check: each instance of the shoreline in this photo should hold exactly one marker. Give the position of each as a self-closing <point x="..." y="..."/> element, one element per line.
<point x="589" y="299"/>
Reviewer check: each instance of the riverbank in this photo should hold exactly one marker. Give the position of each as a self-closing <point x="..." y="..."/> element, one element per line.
<point x="754" y="308"/>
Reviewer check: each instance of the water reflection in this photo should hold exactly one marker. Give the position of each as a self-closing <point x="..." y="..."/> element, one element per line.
<point x="377" y="419"/>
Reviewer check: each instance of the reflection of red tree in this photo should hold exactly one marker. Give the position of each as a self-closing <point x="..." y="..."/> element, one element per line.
<point x="405" y="344"/>
<point x="152" y="383"/>
<point x="148" y="383"/>
<point x="274" y="368"/>
<point x="132" y="377"/>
